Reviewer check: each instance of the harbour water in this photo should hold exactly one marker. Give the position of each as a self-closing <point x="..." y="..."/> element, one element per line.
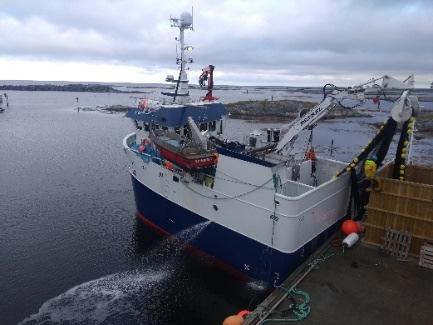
<point x="68" y="226"/>
<point x="69" y="243"/>
<point x="120" y="297"/>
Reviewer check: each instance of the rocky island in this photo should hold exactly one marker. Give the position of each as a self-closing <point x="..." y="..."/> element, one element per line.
<point x="262" y="110"/>
<point x="423" y="125"/>
<point x="282" y="109"/>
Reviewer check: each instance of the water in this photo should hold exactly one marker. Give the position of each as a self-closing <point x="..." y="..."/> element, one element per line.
<point x="124" y="296"/>
<point x="67" y="215"/>
<point x="67" y="212"/>
<point x="108" y="299"/>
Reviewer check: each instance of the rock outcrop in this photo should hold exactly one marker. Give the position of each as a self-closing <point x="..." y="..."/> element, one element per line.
<point x="282" y="109"/>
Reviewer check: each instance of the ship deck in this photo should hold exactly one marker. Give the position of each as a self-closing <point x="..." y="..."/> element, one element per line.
<point x="360" y="286"/>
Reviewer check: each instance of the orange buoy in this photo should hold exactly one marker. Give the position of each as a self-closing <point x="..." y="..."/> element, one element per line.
<point x="169" y="165"/>
<point x="244" y="313"/>
<point x="233" y="320"/>
<point x="349" y="226"/>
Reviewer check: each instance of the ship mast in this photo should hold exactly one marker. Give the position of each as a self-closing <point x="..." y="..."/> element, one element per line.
<point x="181" y="92"/>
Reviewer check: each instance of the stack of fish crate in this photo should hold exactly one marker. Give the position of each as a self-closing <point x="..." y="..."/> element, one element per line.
<point x="402" y="206"/>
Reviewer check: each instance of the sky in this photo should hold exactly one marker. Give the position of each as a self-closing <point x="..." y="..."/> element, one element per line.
<point x="251" y="42"/>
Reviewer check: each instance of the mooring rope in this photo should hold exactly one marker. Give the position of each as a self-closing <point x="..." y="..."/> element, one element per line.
<point x="226" y="197"/>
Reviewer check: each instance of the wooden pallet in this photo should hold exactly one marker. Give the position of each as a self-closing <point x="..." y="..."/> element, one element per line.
<point x="426" y="256"/>
<point x="397" y="243"/>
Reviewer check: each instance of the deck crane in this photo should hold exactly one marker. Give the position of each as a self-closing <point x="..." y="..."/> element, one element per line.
<point x="309" y="118"/>
<point x="207" y="76"/>
<point x="401" y="111"/>
<point x="363" y="167"/>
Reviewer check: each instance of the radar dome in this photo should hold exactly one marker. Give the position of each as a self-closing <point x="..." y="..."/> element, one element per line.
<point x="186" y="19"/>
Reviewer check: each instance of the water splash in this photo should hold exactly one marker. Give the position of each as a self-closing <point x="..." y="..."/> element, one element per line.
<point x="172" y="247"/>
<point x="186" y="236"/>
<point x="257" y="285"/>
<point x="98" y="300"/>
<point x="122" y="297"/>
<point x="189" y="234"/>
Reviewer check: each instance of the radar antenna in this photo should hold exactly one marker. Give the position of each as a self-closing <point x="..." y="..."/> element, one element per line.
<point x="185" y="22"/>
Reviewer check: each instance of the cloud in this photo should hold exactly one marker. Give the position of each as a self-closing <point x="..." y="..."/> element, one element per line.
<point x="285" y="41"/>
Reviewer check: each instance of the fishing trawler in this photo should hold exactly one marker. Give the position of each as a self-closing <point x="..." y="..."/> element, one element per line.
<point x="267" y="210"/>
<point x="266" y="215"/>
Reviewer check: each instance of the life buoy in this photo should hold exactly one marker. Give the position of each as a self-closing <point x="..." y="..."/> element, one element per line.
<point x="310" y="155"/>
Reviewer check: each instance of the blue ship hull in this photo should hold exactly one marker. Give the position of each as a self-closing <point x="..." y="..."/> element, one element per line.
<point x="242" y="255"/>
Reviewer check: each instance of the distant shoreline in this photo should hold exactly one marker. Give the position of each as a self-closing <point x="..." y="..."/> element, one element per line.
<point x="95" y="88"/>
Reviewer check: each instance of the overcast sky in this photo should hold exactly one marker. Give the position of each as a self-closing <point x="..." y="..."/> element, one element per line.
<point x="251" y="42"/>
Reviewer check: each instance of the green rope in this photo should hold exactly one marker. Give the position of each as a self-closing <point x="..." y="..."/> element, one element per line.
<point x="299" y="310"/>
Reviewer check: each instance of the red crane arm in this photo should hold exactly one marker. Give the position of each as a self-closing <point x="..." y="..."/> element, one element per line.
<point x="207" y="75"/>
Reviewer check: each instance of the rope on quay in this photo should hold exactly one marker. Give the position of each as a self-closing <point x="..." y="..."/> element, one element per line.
<point x="301" y="310"/>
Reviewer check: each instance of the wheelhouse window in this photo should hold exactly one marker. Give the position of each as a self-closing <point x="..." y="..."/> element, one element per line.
<point x="203" y="126"/>
<point x="186" y="131"/>
<point x="212" y="126"/>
